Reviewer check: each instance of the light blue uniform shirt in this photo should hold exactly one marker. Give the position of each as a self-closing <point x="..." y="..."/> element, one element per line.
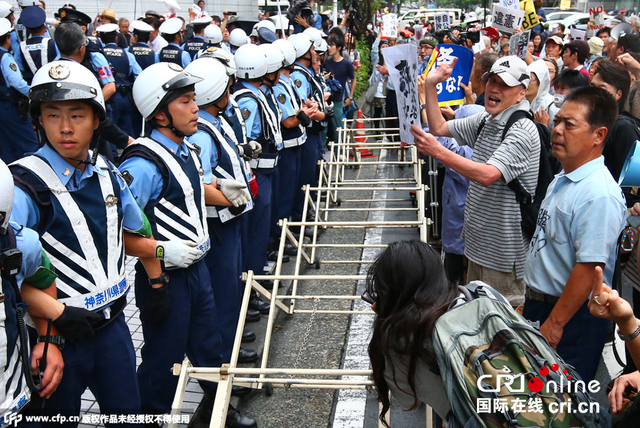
<point x="102" y="67"/>
<point x="28" y="242"/>
<point x="186" y="58"/>
<point x="147" y="180"/>
<point x="26" y="212"/>
<point x="286" y="106"/>
<point x="18" y="53"/>
<point x="301" y="84"/>
<point x="579" y="221"/>
<point x="253" y="121"/>
<point x="12" y="74"/>
<point x="134" y="67"/>
<point x="208" y="149"/>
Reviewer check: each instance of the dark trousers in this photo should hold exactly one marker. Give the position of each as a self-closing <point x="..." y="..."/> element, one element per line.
<point x="191" y="329"/>
<point x="310" y="154"/>
<point x="259" y="223"/>
<point x="284" y="187"/>
<point x="391" y="108"/>
<point x="582" y="340"/>
<point x="17" y="136"/>
<point x="454" y="267"/>
<point x="123" y="112"/>
<point x="106" y="365"/>
<point x="224" y="261"/>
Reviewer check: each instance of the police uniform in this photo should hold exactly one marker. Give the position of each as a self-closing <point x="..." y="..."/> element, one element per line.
<point x="263" y="126"/>
<point x="126" y="69"/>
<point x="80" y="217"/>
<point x="34" y="53"/>
<point x="193" y="46"/>
<point x="166" y="181"/>
<point x="17" y="137"/>
<point x="220" y="159"/>
<point x="145" y="56"/>
<point x="308" y="88"/>
<point x="289" y="103"/>
<point x="174" y="53"/>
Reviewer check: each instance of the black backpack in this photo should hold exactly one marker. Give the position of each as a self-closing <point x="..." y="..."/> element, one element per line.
<point x="549" y="167"/>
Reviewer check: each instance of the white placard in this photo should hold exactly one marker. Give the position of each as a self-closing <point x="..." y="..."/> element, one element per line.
<point x="480" y="46"/>
<point x="418" y="32"/>
<point x="578" y="34"/>
<point x="511" y="4"/>
<point x="390" y="22"/>
<point x="596" y="14"/>
<point x="519" y="43"/>
<point x="402" y="63"/>
<point x="441" y="21"/>
<point x="507" y="19"/>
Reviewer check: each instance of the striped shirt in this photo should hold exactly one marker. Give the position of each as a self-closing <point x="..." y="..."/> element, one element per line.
<point x="492" y="231"/>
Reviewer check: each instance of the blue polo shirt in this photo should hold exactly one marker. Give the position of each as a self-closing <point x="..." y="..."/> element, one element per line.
<point x="579" y="221"/>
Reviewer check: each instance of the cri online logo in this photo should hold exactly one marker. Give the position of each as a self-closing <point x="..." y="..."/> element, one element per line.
<point x="536" y="384"/>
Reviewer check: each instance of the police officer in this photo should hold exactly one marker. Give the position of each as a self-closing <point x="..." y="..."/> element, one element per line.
<point x="166" y="178"/>
<point x="6" y="11"/>
<point x="197" y="42"/>
<point x="223" y="166"/>
<point x="27" y="277"/>
<point x="312" y="92"/>
<point x="38" y="49"/>
<point x="83" y="20"/>
<point x="20" y="33"/>
<point x="295" y="118"/>
<point x="170" y="31"/>
<point x="126" y="70"/>
<point x="17" y="136"/>
<point x="80" y="205"/>
<point x="145" y="56"/>
<point x="237" y="38"/>
<point x="263" y="126"/>
<point x="212" y="36"/>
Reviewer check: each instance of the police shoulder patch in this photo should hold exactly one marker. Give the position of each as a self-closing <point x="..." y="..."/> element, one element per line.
<point x="245" y="113"/>
<point x="282" y="99"/>
<point x="298" y="83"/>
<point x="13" y="66"/>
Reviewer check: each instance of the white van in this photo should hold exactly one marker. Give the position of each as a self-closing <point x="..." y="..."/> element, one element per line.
<point x="417" y="14"/>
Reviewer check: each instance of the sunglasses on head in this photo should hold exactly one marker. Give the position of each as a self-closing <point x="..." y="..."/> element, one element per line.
<point x="370" y="298"/>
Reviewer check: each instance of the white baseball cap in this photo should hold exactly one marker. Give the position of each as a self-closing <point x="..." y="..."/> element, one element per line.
<point x="512" y="70"/>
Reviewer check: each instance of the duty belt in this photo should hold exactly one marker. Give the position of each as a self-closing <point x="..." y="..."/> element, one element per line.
<point x="124" y="89"/>
<point x="294" y="142"/>
<point x="539" y="297"/>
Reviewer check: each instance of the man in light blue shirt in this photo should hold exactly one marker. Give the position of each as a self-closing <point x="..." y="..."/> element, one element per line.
<point x="578" y="226"/>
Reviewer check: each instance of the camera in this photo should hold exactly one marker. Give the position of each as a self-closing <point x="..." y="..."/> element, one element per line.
<point x="302" y="8"/>
<point x="460" y="38"/>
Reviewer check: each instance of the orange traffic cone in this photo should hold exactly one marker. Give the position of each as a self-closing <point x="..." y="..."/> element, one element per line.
<point x="361" y="137"/>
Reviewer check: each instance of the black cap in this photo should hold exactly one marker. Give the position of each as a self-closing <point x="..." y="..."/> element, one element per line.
<point x="72" y="15"/>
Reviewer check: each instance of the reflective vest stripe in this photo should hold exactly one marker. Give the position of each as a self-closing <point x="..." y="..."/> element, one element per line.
<point x="114" y="233"/>
<point x="63" y="268"/>
<point x="177" y="227"/>
<point x="272" y="121"/>
<point x="44" y="54"/>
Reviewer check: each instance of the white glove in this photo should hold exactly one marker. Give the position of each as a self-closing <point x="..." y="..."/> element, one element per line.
<point x="235" y="191"/>
<point x="177" y="253"/>
<point x="256" y="148"/>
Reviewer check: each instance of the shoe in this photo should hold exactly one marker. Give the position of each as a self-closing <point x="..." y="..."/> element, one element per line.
<point x="240" y="391"/>
<point x="252" y="315"/>
<point x="202" y="416"/>
<point x="247" y="356"/>
<point x="272" y="256"/>
<point x="248" y="336"/>
<point x="290" y="249"/>
<point x="259" y="305"/>
<point x="237" y="420"/>
<point x="308" y="232"/>
<point x="311" y="216"/>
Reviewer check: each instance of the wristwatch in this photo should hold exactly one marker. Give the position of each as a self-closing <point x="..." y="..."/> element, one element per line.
<point x="631" y="336"/>
<point x="423" y="106"/>
<point x="162" y="279"/>
<point x="54" y="340"/>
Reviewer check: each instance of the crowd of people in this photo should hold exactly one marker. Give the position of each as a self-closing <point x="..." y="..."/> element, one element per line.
<point x="182" y="142"/>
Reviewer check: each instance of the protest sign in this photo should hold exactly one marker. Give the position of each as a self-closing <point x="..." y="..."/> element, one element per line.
<point x="530" y="15"/>
<point x="512" y="4"/>
<point x="596" y="14"/>
<point x="390" y="22"/>
<point x="402" y="63"/>
<point x="519" y="43"/>
<point x="507" y="19"/>
<point x="578" y="34"/>
<point x="418" y="32"/>
<point x="441" y="21"/>
<point x="450" y="93"/>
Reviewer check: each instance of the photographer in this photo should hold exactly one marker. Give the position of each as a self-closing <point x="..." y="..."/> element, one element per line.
<point x="303" y="16"/>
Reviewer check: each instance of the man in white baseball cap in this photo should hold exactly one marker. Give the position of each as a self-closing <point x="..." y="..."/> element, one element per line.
<point x="494" y="241"/>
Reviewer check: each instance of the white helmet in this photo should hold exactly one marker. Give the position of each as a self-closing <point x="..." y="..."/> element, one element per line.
<point x="5" y="9"/>
<point x="315" y="34"/>
<point x="302" y="43"/>
<point x="5" y="26"/>
<point x="322" y="48"/>
<point x="265" y="23"/>
<point x="281" y="22"/>
<point x="6" y="197"/>
<point x="154" y="87"/>
<point x="212" y="34"/>
<point x="237" y="37"/>
<point x="287" y="50"/>
<point x="65" y="81"/>
<point x="27" y="3"/>
<point x="275" y="57"/>
<point x="251" y="62"/>
<point x="225" y="57"/>
<point x="215" y="83"/>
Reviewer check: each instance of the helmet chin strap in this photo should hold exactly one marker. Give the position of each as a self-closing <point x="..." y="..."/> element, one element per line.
<point x="93" y="145"/>
<point x="170" y="126"/>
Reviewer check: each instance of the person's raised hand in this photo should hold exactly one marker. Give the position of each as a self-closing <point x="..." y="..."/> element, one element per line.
<point x="441" y="73"/>
<point x="542" y="116"/>
<point x="425" y="142"/>
<point x="607" y="303"/>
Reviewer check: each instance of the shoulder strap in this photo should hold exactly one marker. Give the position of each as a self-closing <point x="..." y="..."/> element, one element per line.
<point x="140" y="151"/>
<point x="37" y="190"/>
<point x="522" y="196"/>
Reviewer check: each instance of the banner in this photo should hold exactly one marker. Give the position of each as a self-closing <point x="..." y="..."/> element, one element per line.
<point x="450" y="93"/>
<point x="530" y="15"/>
<point x="519" y="43"/>
<point x="390" y="22"/>
<point x="512" y="4"/>
<point x="402" y="63"/>
<point x="506" y="19"/>
<point x="418" y="32"/>
<point x="441" y="21"/>
<point x="596" y="14"/>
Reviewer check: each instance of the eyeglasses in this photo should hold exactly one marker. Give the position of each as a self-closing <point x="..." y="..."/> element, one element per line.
<point x="370" y="298"/>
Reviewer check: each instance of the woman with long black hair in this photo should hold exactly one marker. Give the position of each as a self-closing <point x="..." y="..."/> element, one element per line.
<point x="410" y="291"/>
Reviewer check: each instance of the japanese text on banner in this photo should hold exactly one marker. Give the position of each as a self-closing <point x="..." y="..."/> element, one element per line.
<point x="507" y="19"/>
<point x="450" y="93"/>
<point x="441" y="21"/>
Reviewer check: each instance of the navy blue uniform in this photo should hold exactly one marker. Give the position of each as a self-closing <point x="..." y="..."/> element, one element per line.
<point x="193" y="46"/>
<point x="126" y="70"/>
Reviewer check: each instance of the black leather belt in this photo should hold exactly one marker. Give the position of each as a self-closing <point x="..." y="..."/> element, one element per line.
<point x="539" y="297"/>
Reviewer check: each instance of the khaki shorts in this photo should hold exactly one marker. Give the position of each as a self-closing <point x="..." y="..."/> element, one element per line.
<point x="504" y="282"/>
